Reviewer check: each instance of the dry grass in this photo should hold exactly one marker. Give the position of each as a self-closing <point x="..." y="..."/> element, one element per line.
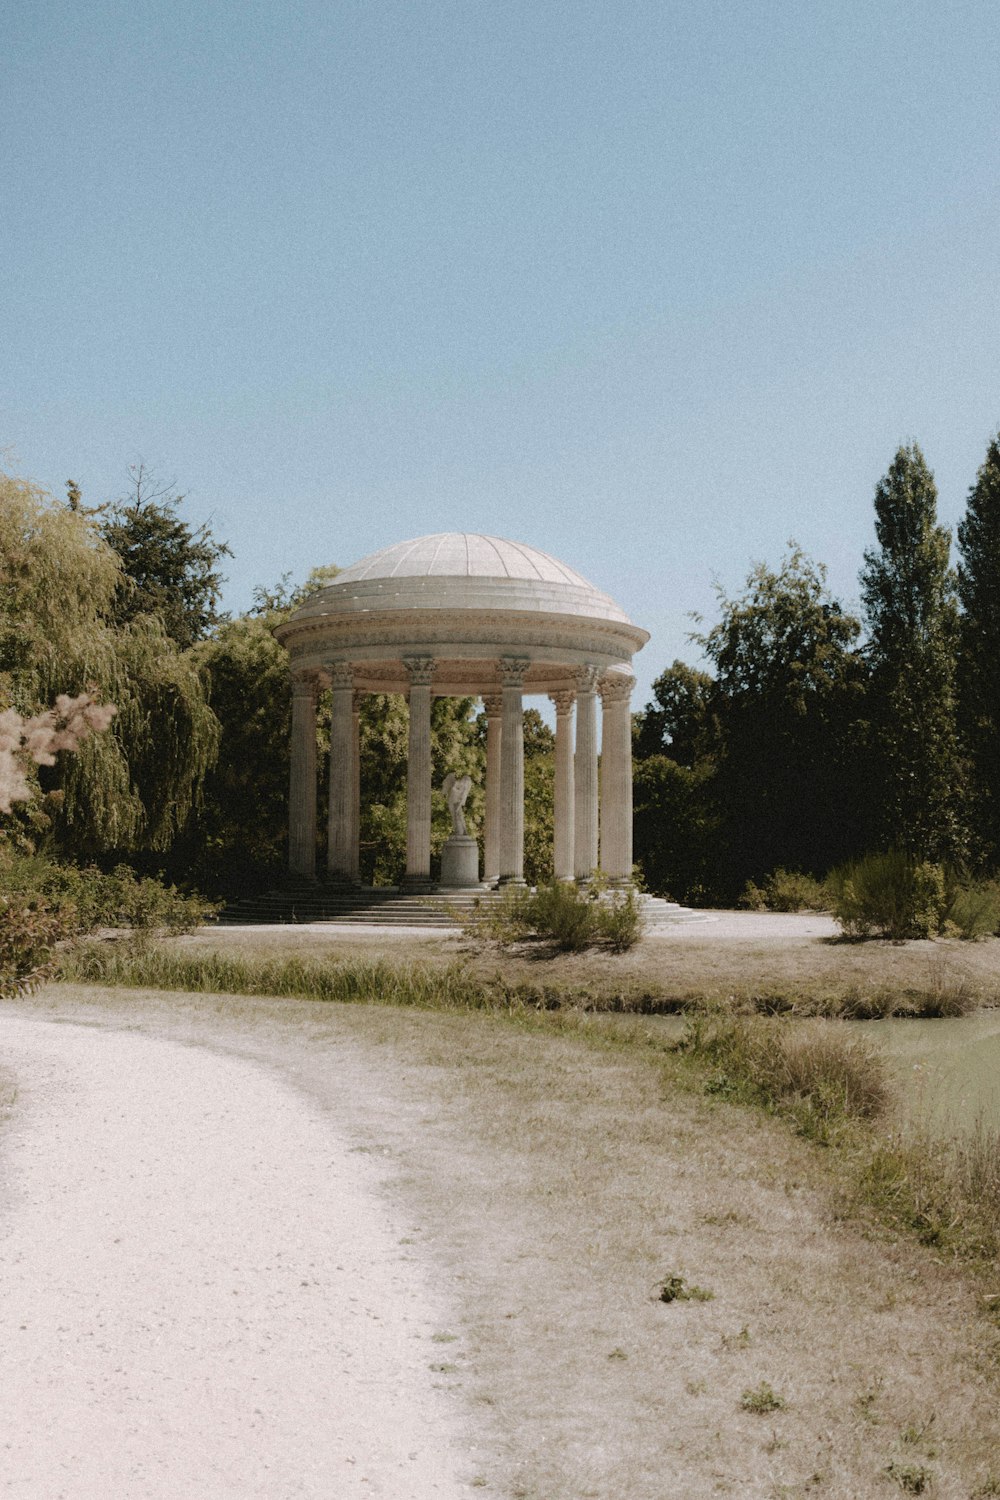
<point x="820" y="1075"/>
<point x="685" y="968"/>
<point x="556" y="1185"/>
<point x="8" y="1091"/>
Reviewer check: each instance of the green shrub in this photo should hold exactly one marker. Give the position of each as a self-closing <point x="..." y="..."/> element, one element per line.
<point x="564" y="914"/>
<point x="568" y="916"/>
<point x="619" y="920"/>
<point x="786" y="890"/>
<point x="28" y="932"/>
<point x="974" y="910"/>
<point x="890" y="895"/>
<point x="85" y="898"/>
<point x="874" y="895"/>
<point x="497" y="919"/>
<point x="819" y="1072"/>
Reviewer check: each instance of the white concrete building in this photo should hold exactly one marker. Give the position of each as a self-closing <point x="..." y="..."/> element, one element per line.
<point x="460" y="614"/>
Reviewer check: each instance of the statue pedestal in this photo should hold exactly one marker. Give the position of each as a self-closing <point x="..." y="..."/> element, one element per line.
<point x="460" y="861"/>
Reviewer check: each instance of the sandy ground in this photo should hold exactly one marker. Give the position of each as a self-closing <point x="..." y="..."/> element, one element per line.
<point x="251" y="1241"/>
<point x="204" y="1290"/>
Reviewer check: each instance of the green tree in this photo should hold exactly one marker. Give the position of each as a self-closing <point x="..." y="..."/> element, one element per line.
<point x="168" y="569"/>
<point x="678" y="722"/>
<point x="129" y="790"/>
<point x="786" y="700"/>
<point x="915" y="770"/>
<point x="676" y="829"/>
<point x="234" y="839"/>
<point x="979" y="650"/>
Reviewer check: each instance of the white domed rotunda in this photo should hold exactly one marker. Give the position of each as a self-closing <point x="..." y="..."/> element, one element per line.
<point x="461" y="614"/>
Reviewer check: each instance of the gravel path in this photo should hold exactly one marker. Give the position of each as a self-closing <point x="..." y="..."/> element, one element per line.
<point x="183" y="1314"/>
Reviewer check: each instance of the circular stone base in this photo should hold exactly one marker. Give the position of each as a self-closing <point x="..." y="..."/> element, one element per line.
<point x="460" y="861"/>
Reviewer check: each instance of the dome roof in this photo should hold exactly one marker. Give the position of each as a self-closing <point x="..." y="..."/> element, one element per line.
<point x="462" y="554"/>
<point x="464" y="571"/>
<point x="465" y="600"/>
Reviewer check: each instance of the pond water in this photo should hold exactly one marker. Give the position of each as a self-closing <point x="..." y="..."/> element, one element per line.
<point x="948" y="1070"/>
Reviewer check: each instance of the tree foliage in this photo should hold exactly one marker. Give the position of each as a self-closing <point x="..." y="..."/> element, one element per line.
<point x="678" y="722"/>
<point x="908" y="592"/>
<point x="979" y="649"/>
<point x="168" y="569"/>
<point x="785" y="700"/>
<point x="129" y="790"/>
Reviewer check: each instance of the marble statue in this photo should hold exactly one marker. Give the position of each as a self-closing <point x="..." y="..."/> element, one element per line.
<point x="456" y="789"/>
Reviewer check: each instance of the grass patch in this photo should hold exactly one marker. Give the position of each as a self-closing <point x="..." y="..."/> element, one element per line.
<point x="817" y="1075"/>
<point x="945" y="1191"/>
<point x="912" y="1478"/>
<point x="761" y="1399"/>
<point x="676" y="1289"/>
<point x="138" y="964"/>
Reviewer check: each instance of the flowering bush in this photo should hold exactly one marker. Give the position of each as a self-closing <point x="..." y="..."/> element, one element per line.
<point x="37" y="738"/>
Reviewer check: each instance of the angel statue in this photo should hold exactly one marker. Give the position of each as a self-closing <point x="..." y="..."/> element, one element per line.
<point x="456" y="789"/>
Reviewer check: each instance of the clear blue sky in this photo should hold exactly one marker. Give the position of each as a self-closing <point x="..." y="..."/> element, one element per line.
<point x="653" y="286"/>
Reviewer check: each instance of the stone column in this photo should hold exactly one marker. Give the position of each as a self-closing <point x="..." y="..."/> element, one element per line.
<point x="562" y="802"/>
<point x="339" y="862"/>
<point x="493" y="706"/>
<point x="354" y="840"/>
<point x="418" y="773"/>
<point x="512" y="670"/>
<point x="585" y="775"/>
<point x="302" y="781"/>
<point x="616" y="777"/>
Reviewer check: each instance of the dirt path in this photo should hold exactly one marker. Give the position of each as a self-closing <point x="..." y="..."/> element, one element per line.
<point x="548" y="1188"/>
<point x="204" y="1293"/>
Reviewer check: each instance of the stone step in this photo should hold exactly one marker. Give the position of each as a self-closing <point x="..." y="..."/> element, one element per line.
<point x="386" y="906"/>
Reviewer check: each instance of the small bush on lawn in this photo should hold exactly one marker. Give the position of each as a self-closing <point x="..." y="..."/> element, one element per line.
<point x="28" y="932"/>
<point x="565" y="915"/>
<point x="786" y="890"/>
<point x="619" y="920"/>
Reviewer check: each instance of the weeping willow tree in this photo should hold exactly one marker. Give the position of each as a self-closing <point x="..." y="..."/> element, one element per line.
<point x="128" y="791"/>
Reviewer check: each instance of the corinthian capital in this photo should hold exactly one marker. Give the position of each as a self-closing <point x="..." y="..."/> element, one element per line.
<point x="493" y="705"/>
<point x="616" y="687"/>
<point x="420" y="670"/>
<point x="341" y="674"/>
<point x="586" y="678"/>
<point x="512" y="670"/>
<point x="563" y="701"/>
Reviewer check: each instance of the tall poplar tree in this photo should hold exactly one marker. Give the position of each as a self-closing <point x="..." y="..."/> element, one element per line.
<point x="979" y="650"/>
<point x="908" y="592"/>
